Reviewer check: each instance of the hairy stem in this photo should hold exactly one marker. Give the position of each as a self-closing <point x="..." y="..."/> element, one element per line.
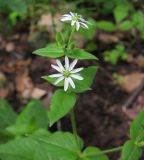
<point x="73" y="124"/>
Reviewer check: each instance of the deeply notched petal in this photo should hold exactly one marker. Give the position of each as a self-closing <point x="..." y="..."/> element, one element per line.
<point x="77" y="25"/>
<point x="66" y="84"/>
<point x="66" y="63"/>
<point x="60" y="64"/>
<point x="59" y="80"/>
<point x="77" y="70"/>
<point x="77" y="76"/>
<point x="57" y="68"/>
<point x="72" y="65"/>
<point x="56" y="75"/>
<point x="71" y="82"/>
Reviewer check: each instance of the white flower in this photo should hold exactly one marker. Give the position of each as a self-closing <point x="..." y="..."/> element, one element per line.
<point x="75" y="20"/>
<point x="66" y="73"/>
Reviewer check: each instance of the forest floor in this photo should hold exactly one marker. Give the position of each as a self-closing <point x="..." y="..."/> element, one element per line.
<point x="103" y="114"/>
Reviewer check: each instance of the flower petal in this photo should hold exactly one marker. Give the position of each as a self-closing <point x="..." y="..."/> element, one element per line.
<point x="55" y="75"/>
<point x="57" y="68"/>
<point x="66" y="15"/>
<point x="76" y="70"/>
<point x="77" y="76"/>
<point x="86" y="26"/>
<point x="60" y="64"/>
<point x="73" y="22"/>
<point x="66" y="84"/>
<point x="66" y="63"/>
<point x="71" y="82"/>
<point x="77" y="25"/>
<point x="72" y="65"/>
<point x="72" y="14"/>
<point x="59" y="80"/>
<point x="66" y="19"/>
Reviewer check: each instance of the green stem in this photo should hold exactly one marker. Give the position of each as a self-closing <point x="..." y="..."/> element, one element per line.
<point x="112" y="150"/>
<point x="107" y="151"/>
<point x="70" y="36"/>
<point x="73" y="124"/>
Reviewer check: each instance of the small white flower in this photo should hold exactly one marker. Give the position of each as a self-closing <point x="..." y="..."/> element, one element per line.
<point x="75" y="20"/>
<point x="66" y="73"/>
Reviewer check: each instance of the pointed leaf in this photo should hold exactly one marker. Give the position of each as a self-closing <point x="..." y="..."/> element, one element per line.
<point x="93" y="153"/>
<point x="31" y="118"/>
<point x="7" y="115"/>
<point x="84" y="85"/>
<point x="52" y="52"/>
<point x="61" y="103"/>
<point x="42" y="146"/>
<point x="80" y="54"/>
<point x="60" y="39"/>
<point x="131" y="151"/>
<point x="137" y="128"/>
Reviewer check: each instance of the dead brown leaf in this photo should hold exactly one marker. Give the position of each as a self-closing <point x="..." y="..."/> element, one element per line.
<point x="131" y="81"/>
<point x="38" y="93"/>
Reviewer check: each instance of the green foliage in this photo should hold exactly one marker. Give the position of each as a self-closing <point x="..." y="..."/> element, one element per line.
<point x="138" y="21"/>
<point x="117" y="77"/>
<point x="51" y="52"/>
<point x="61" y="103"/>
<point x="60" y="39"/>
<point x="106" y="26"/>
<point x="125" y="25"/>
<point x="80" y="54"/>
<point x="115" y="55"/>
<point x="93" y="153"/>
<point x="131" y="151"/>
<point x="7" y="115"/>
<point x="32" y="118"/>
<point x="88" y="74"/>
<point x="137" y="128"/>
<point x="41" y="145"/>
<point x="121" y="12"/>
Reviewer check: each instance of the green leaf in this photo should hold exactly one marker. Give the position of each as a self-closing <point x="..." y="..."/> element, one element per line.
<point x="121" y="12"/>
<point x="112" y="56"/>
<point x="131" y="151"/>
<point x="125" y="25"/>
<point x="93" y="153"/>
<point x="7" y="115"/>
<point x="138" y="20"/>
<point x="80" y="54"/>
<point x="42" y="146"/>
<point x="33" y="117"/>
<point x="61" y="103"/>
<point x="106" y="26"/>
<point x="88" y="74"/>
<point x="18" y="6"/>
<point x="52" y="52"/>
<point x="137" y="128"/>
<point x="60" y="39"/>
